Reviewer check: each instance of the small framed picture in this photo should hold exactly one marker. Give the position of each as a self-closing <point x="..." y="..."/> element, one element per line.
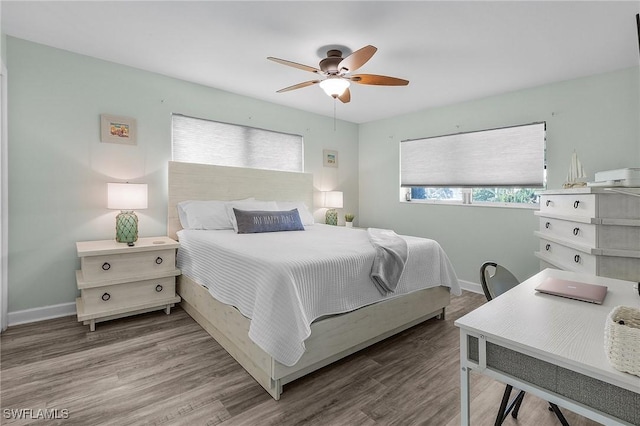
<point x="114" y="129"/>
<point x="330" y="158"/>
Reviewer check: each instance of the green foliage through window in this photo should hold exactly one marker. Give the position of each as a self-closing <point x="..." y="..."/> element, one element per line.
<point x="487" y="195"/>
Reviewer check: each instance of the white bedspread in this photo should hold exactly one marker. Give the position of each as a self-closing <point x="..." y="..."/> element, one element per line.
<point x="283" y="281"/>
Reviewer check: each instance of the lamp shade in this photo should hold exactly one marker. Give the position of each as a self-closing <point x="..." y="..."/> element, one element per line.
<point x="126" y="196"/>
<point x="334" y="86"/>
<point x="333" y="199"/>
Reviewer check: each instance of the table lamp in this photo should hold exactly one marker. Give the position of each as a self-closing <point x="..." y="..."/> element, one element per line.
<point x="126" y="197"/>
<point x="333" y="201"/>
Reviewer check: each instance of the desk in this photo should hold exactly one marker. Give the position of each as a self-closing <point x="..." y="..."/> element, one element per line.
<point x="551" y="347"/>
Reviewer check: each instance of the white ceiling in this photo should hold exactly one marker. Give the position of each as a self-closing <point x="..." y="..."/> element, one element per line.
<point x="451" y="51"/>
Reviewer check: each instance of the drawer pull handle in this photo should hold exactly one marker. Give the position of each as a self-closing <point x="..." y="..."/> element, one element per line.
<point x="576" y="258"/>
<point x="576" y="231"/>
<point x="547" y="225"/>
<point x="158" y="260"/>
<point x="576" y="204"/>
<point x="158" y="288"/>
<point x="548" y="247"/>
<point x="548" y="202"/>
<point x="106" y="297"/>
<point x="106" y="266"/>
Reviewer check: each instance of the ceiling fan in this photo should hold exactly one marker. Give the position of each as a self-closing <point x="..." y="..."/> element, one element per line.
<point x="337" y="70"/>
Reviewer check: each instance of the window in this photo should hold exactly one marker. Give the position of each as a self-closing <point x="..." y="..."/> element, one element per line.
<point x="195" y="140"/>
<point x="504" y="165"/>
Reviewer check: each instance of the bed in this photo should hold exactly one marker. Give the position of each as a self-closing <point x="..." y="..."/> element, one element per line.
<point x="328" y="333"/>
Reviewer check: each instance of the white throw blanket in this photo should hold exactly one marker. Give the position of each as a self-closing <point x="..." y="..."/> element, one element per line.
<point x="391" y="256"/>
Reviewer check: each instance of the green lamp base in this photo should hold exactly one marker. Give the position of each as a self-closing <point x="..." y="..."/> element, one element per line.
<point x="331" y="218"/>
<point x="127" y="227"/>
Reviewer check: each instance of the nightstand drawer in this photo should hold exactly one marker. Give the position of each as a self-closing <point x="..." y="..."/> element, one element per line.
<point x="112" y="297"/>
<point x="125" y="265"/>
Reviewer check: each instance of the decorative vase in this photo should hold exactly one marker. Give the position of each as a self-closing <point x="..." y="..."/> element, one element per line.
<point x="126" y="227"/>
<point x="331" y="218"/>
<point x="348" y="224"/>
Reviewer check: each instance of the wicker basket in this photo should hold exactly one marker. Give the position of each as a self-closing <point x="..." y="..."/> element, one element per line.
<point x="622" y="339"/>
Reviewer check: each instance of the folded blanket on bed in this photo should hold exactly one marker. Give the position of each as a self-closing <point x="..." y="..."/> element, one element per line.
<point x="391" y="256"/>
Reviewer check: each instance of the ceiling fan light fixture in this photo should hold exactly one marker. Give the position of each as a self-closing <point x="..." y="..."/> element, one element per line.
<point x="334" y="86"/>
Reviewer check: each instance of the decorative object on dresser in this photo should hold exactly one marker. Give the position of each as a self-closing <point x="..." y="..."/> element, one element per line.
<point x="576" y="177"/>
<point x="126" y="197"/>
<point x="332" y="200"/>
<point x="116" y="280"/>
<point x="591" y="230"/>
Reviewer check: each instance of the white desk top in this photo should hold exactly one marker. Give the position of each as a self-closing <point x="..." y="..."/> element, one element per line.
<point x="565" y="332"/>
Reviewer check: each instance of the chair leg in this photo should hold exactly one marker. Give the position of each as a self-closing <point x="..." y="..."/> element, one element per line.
<point x="503" y="405"/>
<point x="559" y="414"/>
<point x="517" y="403"/>
<point x="506" y="407"/>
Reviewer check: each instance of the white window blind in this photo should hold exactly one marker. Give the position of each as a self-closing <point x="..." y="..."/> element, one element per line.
<point x="195" y="140"/>
<point x="505" y="157"/>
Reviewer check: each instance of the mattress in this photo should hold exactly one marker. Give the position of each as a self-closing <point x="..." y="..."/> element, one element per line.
<point x="283" y="281"/>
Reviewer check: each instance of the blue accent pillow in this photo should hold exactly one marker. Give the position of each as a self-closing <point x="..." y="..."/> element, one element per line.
<point x="255" y="221"/>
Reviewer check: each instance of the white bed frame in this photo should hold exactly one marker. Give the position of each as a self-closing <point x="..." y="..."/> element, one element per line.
<point x="331" y="338"/>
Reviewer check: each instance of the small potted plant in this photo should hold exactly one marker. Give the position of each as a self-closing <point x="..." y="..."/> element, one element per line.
<point x="348" y="220"/>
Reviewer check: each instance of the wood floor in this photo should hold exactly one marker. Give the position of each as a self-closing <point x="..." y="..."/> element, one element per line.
<point x="158" y="369"/>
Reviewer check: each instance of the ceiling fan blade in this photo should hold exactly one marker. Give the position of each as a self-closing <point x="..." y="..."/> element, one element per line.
<point x="299" y="86"/>
<point x="346" y="96"/>
<point x="378" y="80"/>
<point x="357" y="59"/>
<point x="295" y="65"/>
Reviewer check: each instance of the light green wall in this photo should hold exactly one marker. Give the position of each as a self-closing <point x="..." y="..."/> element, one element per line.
<point x="58" y="168"/>
<point x="597" y="116"/>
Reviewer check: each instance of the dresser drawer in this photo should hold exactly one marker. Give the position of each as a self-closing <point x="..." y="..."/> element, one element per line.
<point x="589" y="235"/>
<point x="583" y="205"/>
<point x="576" y="232"/>
<point x="108" y="298"/>
<point x="115" y="266"/>
<point x="569" y="258"/>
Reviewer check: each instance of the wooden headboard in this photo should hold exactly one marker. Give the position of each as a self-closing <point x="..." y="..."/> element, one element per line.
<point x="189" y="181"/>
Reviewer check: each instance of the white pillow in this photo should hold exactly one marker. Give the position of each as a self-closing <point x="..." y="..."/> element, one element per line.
<point x="305" y="215"/>
<point x="248" y="205"/>
<point x="205" y="214"/>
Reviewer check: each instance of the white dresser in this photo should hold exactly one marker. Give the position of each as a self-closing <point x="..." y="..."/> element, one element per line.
<point x="116" y="280"/>
<point x="591" y="230"/>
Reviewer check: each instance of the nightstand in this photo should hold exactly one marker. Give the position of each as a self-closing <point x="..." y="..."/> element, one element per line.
<point x="116" y="280"/>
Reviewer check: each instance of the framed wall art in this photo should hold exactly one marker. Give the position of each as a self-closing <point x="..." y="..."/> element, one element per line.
<point x="115" y="129"/>
<point x="330" y="158"/>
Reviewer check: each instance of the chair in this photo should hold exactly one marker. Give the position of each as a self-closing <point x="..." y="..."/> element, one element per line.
<point x="493" y="286"/>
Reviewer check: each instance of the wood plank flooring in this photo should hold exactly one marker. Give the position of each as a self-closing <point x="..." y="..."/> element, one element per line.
<point x="157" y="369"/>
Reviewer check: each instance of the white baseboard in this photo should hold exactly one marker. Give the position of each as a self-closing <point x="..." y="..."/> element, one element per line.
<point x="41" y="314"/>
<point x="469" y="286"/>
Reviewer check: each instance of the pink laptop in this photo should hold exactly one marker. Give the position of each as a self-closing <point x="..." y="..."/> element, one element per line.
<point x="573" y="290"/>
